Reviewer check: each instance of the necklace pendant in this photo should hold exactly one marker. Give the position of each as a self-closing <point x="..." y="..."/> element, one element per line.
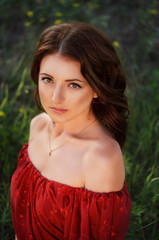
<point x="50" y="153"/>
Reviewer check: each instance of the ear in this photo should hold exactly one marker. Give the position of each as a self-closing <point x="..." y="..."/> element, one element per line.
<point x="95" y="95"/>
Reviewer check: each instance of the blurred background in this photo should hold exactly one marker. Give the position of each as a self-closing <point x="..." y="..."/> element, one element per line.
<point x="133" y="28"/>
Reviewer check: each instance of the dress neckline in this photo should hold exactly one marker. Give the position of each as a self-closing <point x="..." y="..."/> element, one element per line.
<point x="25" y="147"/>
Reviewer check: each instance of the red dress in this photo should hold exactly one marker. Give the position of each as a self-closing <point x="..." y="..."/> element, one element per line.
<point x="46" y="210"/>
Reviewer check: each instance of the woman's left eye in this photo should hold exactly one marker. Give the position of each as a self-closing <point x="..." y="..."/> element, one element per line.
<point x="74" y="85"/>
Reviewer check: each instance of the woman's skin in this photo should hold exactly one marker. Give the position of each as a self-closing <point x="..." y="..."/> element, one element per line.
<point x="89" y="157"/>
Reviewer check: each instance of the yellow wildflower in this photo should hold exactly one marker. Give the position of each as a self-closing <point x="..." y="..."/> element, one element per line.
<point x="152" y="11"/>
<point x="21" y="110"/>
<point x="27" y="24"/>
<point x="58" y="14"/>
<point x="57" y="21"/>
<point x="26" y="91"/>
<point x="42" y="19"/>
<point x="2" y="114"/>
<point x="29" y="14"/>
<point x="75" y="4"/>
<point x="116" y="44"/>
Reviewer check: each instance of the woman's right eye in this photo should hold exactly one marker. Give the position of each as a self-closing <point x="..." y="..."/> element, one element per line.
<point x="47" y="80"/>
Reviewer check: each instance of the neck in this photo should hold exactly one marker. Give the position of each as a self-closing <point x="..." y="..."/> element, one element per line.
<point x="75" y="127"/>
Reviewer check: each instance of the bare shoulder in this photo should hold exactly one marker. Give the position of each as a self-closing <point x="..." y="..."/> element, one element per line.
<point x="103" y="167"/>
<point x="37" y="124"/>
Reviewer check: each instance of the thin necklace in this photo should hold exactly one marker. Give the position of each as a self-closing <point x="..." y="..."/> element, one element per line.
<point x="52" y="150"/>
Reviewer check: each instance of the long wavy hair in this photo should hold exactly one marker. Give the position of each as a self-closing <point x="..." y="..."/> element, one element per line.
<point x="100" y="66"/>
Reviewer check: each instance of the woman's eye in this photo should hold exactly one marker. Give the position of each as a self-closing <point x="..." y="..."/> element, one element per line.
<point x="47" y="80"/>
<point x="74" y="85"/>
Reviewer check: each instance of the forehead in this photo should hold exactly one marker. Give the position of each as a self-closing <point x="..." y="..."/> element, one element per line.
<point x="57" y="63"/>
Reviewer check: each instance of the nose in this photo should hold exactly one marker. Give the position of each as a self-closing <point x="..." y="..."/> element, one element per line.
<point x="58" y="94"/>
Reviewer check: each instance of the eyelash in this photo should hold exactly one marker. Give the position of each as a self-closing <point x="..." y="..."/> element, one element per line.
<point x="75" y="85"/>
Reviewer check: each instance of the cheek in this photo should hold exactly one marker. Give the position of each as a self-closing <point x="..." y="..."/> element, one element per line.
<point x="82" y="100"/>
<point x="43" y="94"/>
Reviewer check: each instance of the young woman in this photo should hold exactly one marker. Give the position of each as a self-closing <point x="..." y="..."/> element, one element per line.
<point x="69" y="182"/>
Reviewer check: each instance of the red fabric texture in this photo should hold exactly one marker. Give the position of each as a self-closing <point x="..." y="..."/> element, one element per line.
<point x="44" y="209"/>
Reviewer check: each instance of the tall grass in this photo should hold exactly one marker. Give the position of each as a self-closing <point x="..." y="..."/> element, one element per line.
<point x="141" y="153"/>
<point x="132" y="28"/>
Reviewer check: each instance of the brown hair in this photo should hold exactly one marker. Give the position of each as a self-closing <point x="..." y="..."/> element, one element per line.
<point x="100" y="66"/>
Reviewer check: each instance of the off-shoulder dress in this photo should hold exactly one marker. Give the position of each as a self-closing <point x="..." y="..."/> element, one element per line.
<point x="43" y="209"/>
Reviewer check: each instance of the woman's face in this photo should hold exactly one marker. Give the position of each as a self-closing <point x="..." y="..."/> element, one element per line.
<point x="64" y="92"/>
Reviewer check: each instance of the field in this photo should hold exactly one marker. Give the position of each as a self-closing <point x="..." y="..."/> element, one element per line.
<point x="132" y="26"/>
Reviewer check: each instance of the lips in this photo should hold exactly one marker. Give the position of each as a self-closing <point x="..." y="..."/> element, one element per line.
<point x="58" y="110"/>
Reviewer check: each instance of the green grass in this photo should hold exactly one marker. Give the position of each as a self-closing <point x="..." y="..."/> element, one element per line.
<point x="132" y="27"/>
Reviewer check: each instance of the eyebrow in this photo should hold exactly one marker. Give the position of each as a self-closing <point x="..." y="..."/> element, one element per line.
<point x="67" y="80"/>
